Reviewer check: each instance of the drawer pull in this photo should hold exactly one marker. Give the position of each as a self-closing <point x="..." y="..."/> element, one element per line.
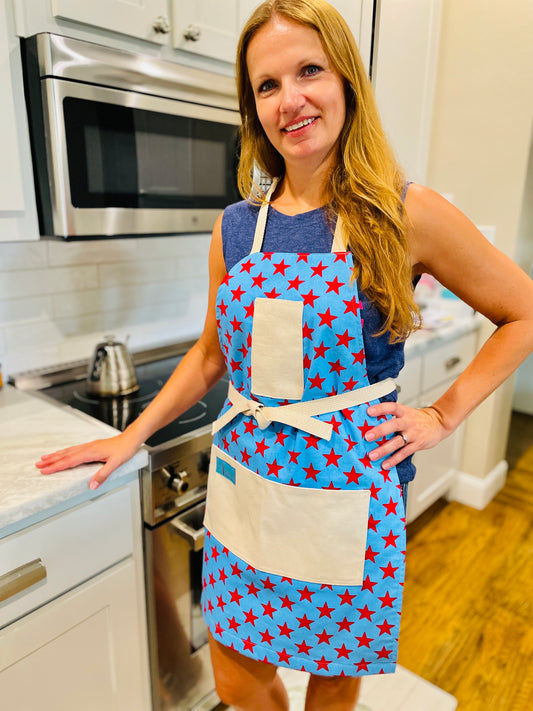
<point x="452" y="362"/>
<point x="21" y="578"/>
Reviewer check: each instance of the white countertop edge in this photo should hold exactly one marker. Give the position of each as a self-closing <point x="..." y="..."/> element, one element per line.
<point x="424" y="340"/>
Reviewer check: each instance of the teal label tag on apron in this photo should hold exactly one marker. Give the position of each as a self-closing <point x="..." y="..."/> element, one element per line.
<point x="225" y="469"/>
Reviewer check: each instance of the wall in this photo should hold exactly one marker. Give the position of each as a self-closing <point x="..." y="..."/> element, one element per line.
<point x="479" y="151"/>
<point x="57" y="299"/>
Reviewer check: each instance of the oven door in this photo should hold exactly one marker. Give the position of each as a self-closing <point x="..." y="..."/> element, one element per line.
<point x="125" y="163"/>
<point x="182" y="677"/>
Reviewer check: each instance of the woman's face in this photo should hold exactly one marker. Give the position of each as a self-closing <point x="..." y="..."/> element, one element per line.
<point x="299" y="96"/>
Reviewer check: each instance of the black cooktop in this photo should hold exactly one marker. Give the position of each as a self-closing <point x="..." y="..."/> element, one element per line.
<point x="120" y="411"/>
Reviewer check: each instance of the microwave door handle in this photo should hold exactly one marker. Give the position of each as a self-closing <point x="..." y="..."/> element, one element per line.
<point x="193" y="536"/>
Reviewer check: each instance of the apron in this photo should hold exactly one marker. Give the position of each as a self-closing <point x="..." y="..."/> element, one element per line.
<point x="305" y="536"/>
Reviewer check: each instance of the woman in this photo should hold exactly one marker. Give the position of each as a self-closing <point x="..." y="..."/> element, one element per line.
<point x="311" y="291"/>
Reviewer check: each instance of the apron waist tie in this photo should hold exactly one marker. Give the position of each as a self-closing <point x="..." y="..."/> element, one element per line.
<point x="301" y="414"/>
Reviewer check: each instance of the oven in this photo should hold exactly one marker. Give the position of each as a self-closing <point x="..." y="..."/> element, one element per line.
<point x="125" y="143"/>
<point x="173" y="500"/>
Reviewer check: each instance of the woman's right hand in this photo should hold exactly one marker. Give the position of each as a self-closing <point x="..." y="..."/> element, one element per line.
<point x="112" y="451"/>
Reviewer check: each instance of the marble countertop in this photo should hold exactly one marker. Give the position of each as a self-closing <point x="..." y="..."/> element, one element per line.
<point x="29" y="427"/>
<point x="426" y="339"/>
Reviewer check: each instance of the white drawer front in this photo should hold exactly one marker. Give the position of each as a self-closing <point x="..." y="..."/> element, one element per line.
<point x="410" y="380"/>
<point x="448" y="360"/>
<point x="72" y="547"/>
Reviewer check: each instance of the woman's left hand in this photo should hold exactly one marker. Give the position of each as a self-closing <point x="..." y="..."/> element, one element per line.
<point x="414" y="429"/>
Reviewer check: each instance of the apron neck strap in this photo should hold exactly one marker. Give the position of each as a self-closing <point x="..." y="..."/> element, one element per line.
<point x="262" y="218"/>
<point x="339" y="242"/>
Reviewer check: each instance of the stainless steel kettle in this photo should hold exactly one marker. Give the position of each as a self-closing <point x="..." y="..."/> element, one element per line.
<point x="111" y="370"/>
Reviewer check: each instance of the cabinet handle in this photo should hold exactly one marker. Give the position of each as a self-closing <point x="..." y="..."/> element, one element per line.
<point x="192" y="33"/>
<point x="21" y="578"/>
<point x="452" y="362"/>
<point x="161" y="25"/>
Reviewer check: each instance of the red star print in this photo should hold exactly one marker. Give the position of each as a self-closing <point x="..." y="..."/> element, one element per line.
<point x="234" y="436"/>
<point x="352" y="306"/>
<point x="332" y="459"/>
<point x="325" y="610"/>
<point x="386" y="600"/>
<point x="222" y="575"/>
<point x="252" y="590"/>
<point x="302" y="257"/>
<point x="346" y="597"/>
<point x="345" y="624"/>
<point x="370" y="554"/>
<point x="384" y="653"/>
<point x="307" y="332"/>
<point x="250" y="618"/>
<point x="249" y="313"/>
<point x="248" y="644"/>
<point x="261" y="447"/>
<point x="385" y="474"/>
<point x="316" y="381"/>
<point x="218" y="629"/>
<point x="266" y="637"/>
<point x="214" y="553"/>
<point x="221" y="603"/>
<point x="388" y="570"/>
<point x="303" y="648"/>
<point x="364" y="640"/>
<point x="351" y="443"/>
<point x="336" y="367"/>
<point x="348" y="414"/>
<point x="365" y="428"/>
<point x="372" y="523"/>
<point x="284" y="656"/>
<point x="250" y="426"/>
<point x="295" y="283"/>
<point x="307" y="362"/>
<point x="267" y="256"/>
<point x="390" y="540"/>
<point x="281" y="437"/>
<point x="285" y="602"/>
<point x="293" y="456"/>
<point x="268" y="584"/>
<point x="365" y="613"/>
<point x="350" y="384"/>
<point x="341" y="256"/>
<point x="318" y="270"/>
<point x="359" y="357"/>
<point x="281" y="267"/>
<point x="352" y="476"/>
<point x="274" y="469"/>
<point x="374" y="490"/>
<point x="273" y="294"/>
<point x="233" y="624"/>
<point x="391" y="507"/>
<point x="236" y="597"/>
<point x="285" y="630"/>
<point x="362" y="665"/>
<point x="223" y="308"/>
<point x="305" y="594"/>
<point x="235" y="570"/>
<point x="343" y="339"/>
<point x="246" y="266"/>
<point x="235" y="365"/>
<point x="211" y="579"/>
<point x="384" y="628"/>
<point x="320" y="351"/>
<point x="323" y="637"/>
<point x="309" y="299"/>
<point x="311" y="472"/>
<point x="258" y="281"/>
<point x="304" y="621"/>
<point x="326" y="318"/>
<point x="365" y="461"/>
<point x="343" y="651"/>
<point x="323" y="664"/>
<point x="335" y="424"/>
<point x="268" y="610"/>
<point x="334" y="285"/>
<point x="285" y="579"/>
<point x="311" y="441"/>
<point x="237" y="293"/>
<point x="245" y="456"/>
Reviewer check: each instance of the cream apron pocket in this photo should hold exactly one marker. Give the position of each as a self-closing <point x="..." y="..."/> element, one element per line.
<point x="313" y="535"/>
<point x="277" y="349"/>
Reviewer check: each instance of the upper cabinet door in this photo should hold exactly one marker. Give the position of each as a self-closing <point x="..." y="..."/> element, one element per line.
<point x="206" y="27"/>
<point x="147" y="19"/>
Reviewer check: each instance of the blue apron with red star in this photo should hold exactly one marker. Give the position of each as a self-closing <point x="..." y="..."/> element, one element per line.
<point x="305" y="535"/>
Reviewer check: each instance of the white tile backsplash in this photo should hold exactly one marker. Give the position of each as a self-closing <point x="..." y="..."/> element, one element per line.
<point x="58" y="298"/>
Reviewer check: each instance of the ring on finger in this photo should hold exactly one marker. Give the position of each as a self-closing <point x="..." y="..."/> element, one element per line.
<point x="404" y="437"/>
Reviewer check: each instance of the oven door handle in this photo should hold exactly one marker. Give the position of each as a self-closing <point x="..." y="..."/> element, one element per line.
<point x="193" y="536"/>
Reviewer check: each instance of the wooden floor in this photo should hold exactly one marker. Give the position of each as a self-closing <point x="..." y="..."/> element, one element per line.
<point x="467" y="622"/>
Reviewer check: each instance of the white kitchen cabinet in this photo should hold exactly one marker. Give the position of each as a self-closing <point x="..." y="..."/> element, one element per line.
<point x="404" y="73"/>
<point x="206" y="27"/>
<point x="79" y="633"/>
<point x="18" y="211"/>
<point x="147" y="20"/>
<point x="422" y="381"/>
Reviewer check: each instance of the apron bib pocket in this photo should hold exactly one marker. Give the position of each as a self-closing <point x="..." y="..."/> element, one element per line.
<point x="315" y="535"/>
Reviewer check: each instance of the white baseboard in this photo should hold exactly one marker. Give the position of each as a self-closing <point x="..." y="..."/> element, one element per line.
<point x="475" y="491"/>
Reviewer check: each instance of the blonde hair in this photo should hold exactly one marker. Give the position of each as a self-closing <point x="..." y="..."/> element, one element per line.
<point x="366" y="184"/>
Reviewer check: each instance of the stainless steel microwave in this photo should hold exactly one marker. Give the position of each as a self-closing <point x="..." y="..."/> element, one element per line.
<point x="127" y="144"/>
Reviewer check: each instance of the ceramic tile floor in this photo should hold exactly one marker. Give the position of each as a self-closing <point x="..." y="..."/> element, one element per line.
<point x="402" y="691"/>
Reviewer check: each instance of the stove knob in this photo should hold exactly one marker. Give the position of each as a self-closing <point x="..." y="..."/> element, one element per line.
<point x="179" y="483"/>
